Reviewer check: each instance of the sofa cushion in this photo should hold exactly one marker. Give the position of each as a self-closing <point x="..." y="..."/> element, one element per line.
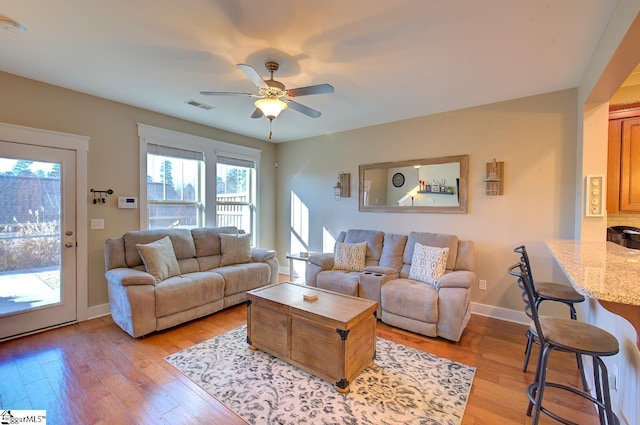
<point x="180" y="239"/>
<point x="438" y="240"/>
<point x="350" y="256"/>
<point x="181" y="293"/>
<point x="207" y="239"/>
<point x="244" y="277"/>
<point x="340" y="281"/>
<point x="428" y="263"/>
<point x="409" y="298"/>
<point x="373" y="238"/>
<point x="159" y="259"/>
<point x="236" y="249"/>
<point x="465" y="260"/>
<point x="393" y="250"/>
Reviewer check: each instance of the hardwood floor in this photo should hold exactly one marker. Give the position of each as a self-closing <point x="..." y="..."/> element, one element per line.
<point x="95" y="373"/>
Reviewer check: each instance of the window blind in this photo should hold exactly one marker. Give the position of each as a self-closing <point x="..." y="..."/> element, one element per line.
<point x="161" y="150"/>
<point x="238" y="162"/>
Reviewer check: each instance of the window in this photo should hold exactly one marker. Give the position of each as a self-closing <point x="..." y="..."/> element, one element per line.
<point x="190" y="181"/>
<point x="174" y="187"/>
<point x="235" y="193"/>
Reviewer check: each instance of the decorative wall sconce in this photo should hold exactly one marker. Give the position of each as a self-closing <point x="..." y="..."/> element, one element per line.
<point x="342" y="189"/>
<point x="495" y="178"/>
<point x="100" y="196"/>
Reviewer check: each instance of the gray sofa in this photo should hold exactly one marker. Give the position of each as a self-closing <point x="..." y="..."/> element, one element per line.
<point x="440" y="309"/>
<point x="141" y="303"/>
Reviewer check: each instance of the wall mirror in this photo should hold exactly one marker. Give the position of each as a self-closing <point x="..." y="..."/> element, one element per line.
<point x="430" y="185"/>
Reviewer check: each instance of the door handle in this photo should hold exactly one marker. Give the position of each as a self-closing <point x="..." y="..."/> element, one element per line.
<point x="70" y="244"/>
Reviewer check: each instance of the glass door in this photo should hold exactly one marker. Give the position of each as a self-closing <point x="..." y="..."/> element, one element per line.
<point x="37" y="238"/>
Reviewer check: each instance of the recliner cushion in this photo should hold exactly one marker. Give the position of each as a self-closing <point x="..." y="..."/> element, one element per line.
<point x="340" y="281"/>
<point x="207" y="239"/>
<point x="244" y="277"/>
<point x="410" y="298"/>
<point x="439" y="240"/>
<point x="373" y="238"/>
<point x="181" y="293"/>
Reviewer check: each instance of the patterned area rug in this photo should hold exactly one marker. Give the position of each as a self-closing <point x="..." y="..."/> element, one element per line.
<point x="404" y="386"/>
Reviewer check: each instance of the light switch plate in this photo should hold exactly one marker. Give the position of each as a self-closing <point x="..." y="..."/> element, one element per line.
<point x="97" y="223"/>
<point x="594" y="188"/>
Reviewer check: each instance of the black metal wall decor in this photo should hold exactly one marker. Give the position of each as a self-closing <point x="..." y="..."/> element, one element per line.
<point x="100" y="196"/>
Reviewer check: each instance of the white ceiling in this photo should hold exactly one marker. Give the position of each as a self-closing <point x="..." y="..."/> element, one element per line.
<point x="388" y="60"/>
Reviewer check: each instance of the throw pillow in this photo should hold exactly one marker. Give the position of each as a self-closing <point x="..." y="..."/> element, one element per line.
<point x="235" y="249"/>
<point x="350" y="256"/>
<point x="428" y="263"/>
<point x="159" y="259"/>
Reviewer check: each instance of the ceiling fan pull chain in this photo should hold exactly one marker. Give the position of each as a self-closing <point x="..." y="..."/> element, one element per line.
<point x="270" y="124"/>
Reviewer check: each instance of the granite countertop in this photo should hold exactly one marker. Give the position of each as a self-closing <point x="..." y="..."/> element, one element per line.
<point x="602" y="270"/>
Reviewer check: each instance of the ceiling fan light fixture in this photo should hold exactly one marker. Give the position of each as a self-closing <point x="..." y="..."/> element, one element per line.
<point x="11" y="25"/>
<point x="271" y="106"/>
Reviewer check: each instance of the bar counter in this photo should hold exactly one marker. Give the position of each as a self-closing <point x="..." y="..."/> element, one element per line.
<point x="605" y="271"/>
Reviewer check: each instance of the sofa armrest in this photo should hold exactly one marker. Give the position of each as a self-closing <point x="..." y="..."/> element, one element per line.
<point x="323" y="260"/>
<point x="128" y="277"/>
<point x="387" y="271"/>
<point x="371" y="281"/>
<point x="315" y="264"/>
<point x="456" y="279"/>
<point x="259" y="255"/>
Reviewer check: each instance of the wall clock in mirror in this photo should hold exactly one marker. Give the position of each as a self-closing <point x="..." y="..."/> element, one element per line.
<point x="397" y="179"/>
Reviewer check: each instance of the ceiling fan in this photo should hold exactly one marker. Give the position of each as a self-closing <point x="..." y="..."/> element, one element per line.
<point x="273" y="97"/>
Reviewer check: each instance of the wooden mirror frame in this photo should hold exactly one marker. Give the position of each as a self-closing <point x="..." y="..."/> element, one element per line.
<point x="462" y="160"/>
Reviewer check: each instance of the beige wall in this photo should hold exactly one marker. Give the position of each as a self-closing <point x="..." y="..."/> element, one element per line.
<point x="534" y="136"/>
<point x="113" y="156"/>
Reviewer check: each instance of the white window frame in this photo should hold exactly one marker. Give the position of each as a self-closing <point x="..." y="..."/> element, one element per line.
<point x="181" y="154"/>
<point x="211" y="148"/>
<point x="253" y="189"/>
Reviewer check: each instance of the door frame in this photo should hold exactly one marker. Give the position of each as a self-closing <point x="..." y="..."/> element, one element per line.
<point x="79" y="144"/>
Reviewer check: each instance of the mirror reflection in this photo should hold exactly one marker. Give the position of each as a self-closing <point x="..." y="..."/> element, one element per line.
<point x="433" y="185"/>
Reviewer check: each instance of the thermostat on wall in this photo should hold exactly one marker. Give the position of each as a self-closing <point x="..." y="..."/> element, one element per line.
<point x="127" y="202"/>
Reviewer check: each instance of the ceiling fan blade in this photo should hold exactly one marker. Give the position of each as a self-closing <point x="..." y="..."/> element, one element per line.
<point x="225" y="93"/>
<point x="253" y="75"/>
<point x="305" y="91"/>
<point x="303" y="109"/>
<point x="257" y="114"/>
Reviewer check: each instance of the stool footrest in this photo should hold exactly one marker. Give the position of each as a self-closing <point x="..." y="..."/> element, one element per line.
<point x="532" y="398"/>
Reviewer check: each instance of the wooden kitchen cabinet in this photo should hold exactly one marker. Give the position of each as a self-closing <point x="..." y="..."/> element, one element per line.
<point x="623" y="170"/>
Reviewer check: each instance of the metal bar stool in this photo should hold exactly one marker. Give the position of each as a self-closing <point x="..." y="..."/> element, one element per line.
<point x="550" y="291"/>
<point x="566" y="335"/>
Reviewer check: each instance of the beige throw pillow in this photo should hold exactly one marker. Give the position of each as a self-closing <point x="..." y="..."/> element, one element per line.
<point x="236" y="249"/>
<point x="428" y="263"/>
<point x="350" y="256"/>
<point x="159" y="259"/>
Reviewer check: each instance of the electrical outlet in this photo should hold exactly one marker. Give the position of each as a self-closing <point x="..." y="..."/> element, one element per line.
<point x="613" y="377"/>
<point x="482" y="285"/>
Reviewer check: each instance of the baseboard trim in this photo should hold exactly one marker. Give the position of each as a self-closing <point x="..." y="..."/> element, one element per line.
<point x="98" y="311"/>
<point x="476" y="308"/>
<point x="500" y="313"/>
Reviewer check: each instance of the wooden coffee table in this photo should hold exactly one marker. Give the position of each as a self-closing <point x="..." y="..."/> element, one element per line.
<point x="332" y="337"/>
